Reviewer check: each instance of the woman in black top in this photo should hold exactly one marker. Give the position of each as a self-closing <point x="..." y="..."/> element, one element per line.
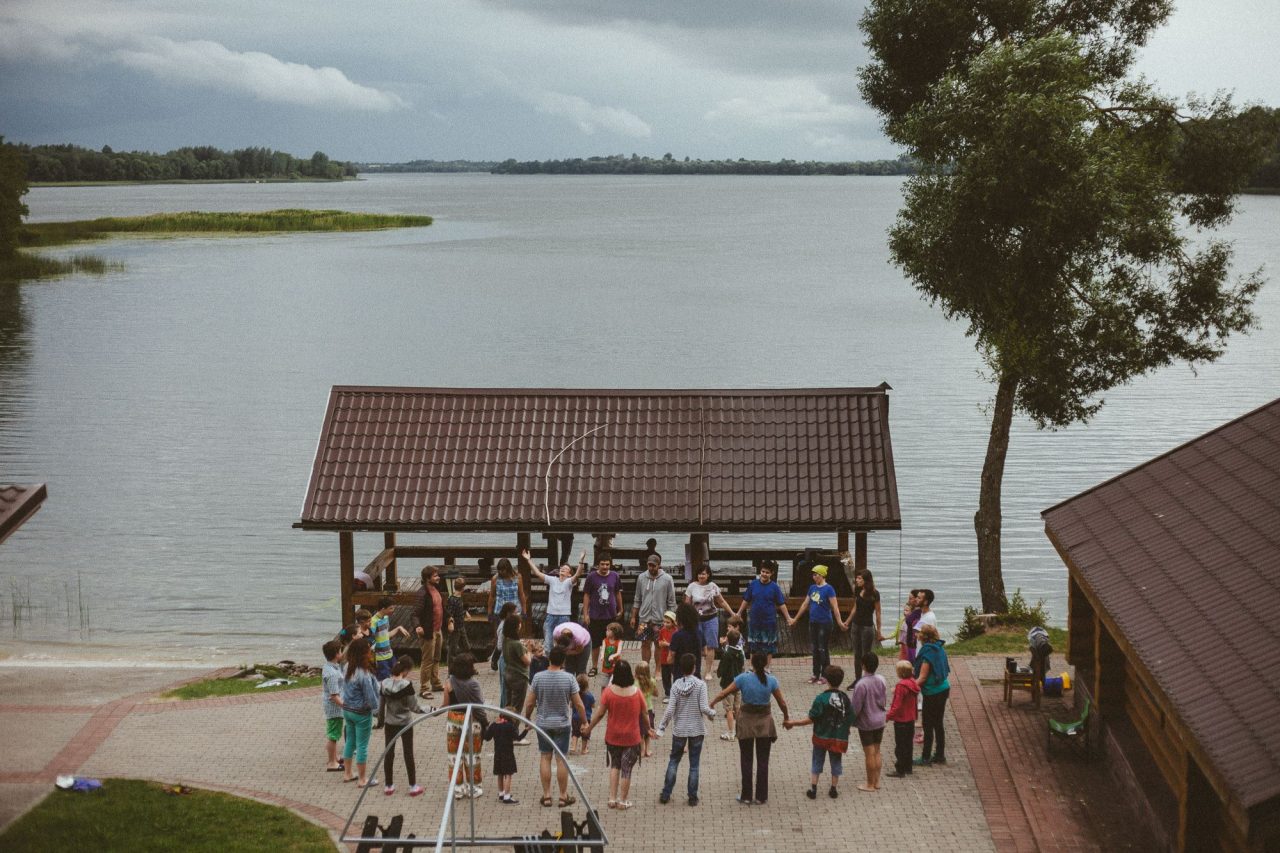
<point x="865" y="624"/>
<point x="687" y="638"/>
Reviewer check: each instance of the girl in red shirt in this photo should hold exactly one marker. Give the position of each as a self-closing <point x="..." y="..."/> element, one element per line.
<point x="624" y="705"/>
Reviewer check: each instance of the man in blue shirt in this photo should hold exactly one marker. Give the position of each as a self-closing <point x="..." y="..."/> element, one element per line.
<point x="764" y="597"/>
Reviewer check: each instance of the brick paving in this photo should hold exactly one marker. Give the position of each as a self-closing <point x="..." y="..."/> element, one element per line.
<point x="1032" y="803"/>
<point x="270" y="748"/>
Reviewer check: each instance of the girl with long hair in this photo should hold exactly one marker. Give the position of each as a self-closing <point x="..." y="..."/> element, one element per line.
<point x="755" y="728"/>
<point x="865" y="623"/>
<point x="359" y="704"/>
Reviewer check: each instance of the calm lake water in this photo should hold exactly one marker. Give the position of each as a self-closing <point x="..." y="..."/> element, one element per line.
<point x="173" y="408"/>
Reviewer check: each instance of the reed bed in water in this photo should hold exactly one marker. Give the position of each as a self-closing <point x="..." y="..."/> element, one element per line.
<point x="23" y="266"/>
<point x="200" y="222"/>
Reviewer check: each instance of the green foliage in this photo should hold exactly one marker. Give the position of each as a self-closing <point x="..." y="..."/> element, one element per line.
<point x="1267" y="176"/>
<point x="1019" y="615"/>
<point x="1046" y="214"/>
<point x="198" y="222"/>
<point x="619" y="164"/>
<point x="128" y="814"/>
<point x="238" y="686"/>
<point x="24" y="266"/>
<point x="13" y="186"/>
<point x="1004" y="641"/>
<point x="55" y="163"/>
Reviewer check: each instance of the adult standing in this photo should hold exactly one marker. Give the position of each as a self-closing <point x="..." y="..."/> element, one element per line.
<point x="687" y="708"/>
<point x="624" y="705"/>
<point x="601" y="604"/>
<point x="559" y="594"/>
<point x="655" y="595"/>
<point x="924" y="601"/>
<point x="428" y="616"/>
<point x="515" y="658"/>
<point x="756" y="730"/>
<point x="932" y="670"/>
<point x="688" y="638"/>
<point x="764" y="597"/>
<point x="865" y="622"/>
<point x="576" y="642"/>
<point x="708" y="601"/>
<point x="554" y="693"/>
<point x="824" y="615"/>
<point x="506" y="586"/>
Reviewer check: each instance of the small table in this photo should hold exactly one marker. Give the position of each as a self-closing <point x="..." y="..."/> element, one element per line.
<point x="1032" y="682"/>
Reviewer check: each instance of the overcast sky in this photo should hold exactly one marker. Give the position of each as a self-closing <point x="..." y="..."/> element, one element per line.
<point x="392" y="80"/>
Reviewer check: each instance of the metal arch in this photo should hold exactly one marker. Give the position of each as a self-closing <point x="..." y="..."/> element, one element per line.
<point x="448" y="824"/>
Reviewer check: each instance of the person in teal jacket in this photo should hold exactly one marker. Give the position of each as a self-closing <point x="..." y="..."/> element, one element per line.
<point x="932" y="669"/>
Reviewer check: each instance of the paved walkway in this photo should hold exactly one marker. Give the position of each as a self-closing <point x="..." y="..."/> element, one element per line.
<point x="270" y="747"/>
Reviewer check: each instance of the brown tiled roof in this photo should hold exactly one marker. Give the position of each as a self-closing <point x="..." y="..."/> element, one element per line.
<point x="603" y="460"/>
<point x="17" y="504"/>
<point x="1183" y="553"/>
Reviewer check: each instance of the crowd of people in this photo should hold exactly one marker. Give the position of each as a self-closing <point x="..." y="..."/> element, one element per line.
<point x="549" y="680"/>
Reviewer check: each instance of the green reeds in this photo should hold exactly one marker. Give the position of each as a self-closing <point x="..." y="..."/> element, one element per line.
<point x="199" y="222"/>
<point x="23" y="266"/>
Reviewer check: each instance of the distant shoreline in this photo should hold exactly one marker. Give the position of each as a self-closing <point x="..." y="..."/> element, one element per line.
<point x="59" y="184"/>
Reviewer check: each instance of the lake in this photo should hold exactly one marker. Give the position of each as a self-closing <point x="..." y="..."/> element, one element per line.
<point x="173" y="407"/>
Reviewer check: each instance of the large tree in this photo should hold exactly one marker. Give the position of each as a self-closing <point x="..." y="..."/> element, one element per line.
<point x="1062" y="207"/>
<point x="13" y="186"/>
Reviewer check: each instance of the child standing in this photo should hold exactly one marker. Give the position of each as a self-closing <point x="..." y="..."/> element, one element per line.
<point x="902" y="711"/>
<point x="359" y="705"/>
<point x="331" y="678"/>
<point x="400" y="701"/>
<point x="382" y="634"/>
<point x="664" y="651"/>
<point x="503" y="732"/>
<point x="455" y="614"/>
<point x="687" y="708"/>
<point x="644" y="680"/>
<point x="612" y="652"/>
<point x="581" y="738"/>
<point x="868" y="697"/>
<point x="831" y="716"/>
<point x="732" y="662"/>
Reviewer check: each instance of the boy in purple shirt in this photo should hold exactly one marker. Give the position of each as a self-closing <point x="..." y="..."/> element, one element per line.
<point x="868" y="699"/>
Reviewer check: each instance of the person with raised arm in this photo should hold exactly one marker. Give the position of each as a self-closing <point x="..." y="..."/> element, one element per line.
<point x="559" y="593"/>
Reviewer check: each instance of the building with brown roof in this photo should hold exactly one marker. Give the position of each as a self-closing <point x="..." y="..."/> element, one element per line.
<point x="552" y="462"/>
<point x="1174" y="588"/>
<point x="18" y="504"/>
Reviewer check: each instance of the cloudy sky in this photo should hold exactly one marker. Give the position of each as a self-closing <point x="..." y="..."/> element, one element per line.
<point x="392" y="80"/>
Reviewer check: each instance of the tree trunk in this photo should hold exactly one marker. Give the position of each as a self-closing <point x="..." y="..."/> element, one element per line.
<point x="986" y="521"/>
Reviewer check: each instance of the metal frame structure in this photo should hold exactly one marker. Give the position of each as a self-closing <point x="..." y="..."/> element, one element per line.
<point x="447" y="834"/>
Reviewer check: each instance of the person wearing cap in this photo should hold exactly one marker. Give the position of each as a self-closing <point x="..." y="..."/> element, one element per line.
<point x="824" y="614"/>
<point x="655" y="595"/>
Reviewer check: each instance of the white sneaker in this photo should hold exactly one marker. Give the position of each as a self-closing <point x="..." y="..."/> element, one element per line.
<point x="476" y="792"/>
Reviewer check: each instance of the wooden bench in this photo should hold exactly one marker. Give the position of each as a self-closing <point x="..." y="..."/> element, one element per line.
<point x="1032" y="682"/>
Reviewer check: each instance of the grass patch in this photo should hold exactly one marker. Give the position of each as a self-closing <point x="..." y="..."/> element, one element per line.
<point x="1004" y="641"/>
<point x="40" y="234"/>
<point x="24" y="266"/>
<point x="129" y="814"/>
<point x="237" y="686"/>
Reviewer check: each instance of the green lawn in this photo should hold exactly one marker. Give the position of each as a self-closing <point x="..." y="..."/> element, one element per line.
<point x="1005" y="641"/>
<point x="233" y="687"/>
<point x="132" y="815"/>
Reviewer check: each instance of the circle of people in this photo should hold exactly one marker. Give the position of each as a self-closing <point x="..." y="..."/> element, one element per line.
<point x="365" y="687"/>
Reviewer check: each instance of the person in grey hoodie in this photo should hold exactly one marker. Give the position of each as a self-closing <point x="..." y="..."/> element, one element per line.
<point x="400" y="700"/>
<point x="687" y="707"/>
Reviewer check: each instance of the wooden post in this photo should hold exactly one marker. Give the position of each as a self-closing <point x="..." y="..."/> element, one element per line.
<point x="554" y="557"/>
<point x="860" y="551"/>
<point x="393" y="579"/>
<point x="842" y="541"/>
<point x="347" y="566"/>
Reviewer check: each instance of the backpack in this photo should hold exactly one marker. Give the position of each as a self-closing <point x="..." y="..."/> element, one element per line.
<point x="837" y="709"/>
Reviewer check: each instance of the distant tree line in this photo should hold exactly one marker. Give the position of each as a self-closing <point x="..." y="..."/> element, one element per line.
<point x="619" y="164"/>
<point x="202" y="162"/>
<point x="1268" y="177"/>
<point x="437" y="166"/>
